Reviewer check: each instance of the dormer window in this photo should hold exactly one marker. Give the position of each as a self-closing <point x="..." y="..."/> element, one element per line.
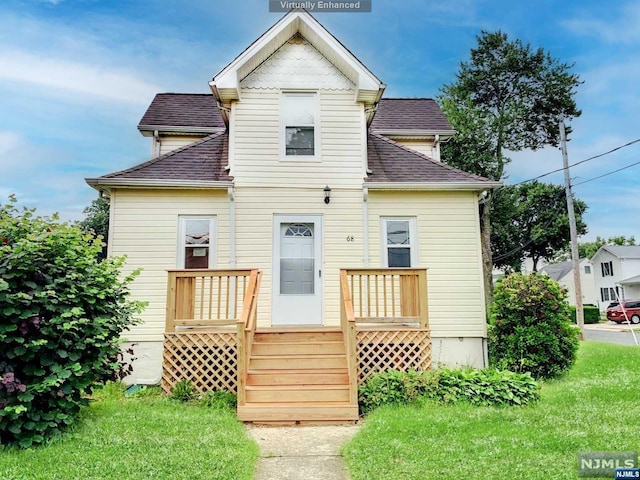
<point x="299" y="116"/>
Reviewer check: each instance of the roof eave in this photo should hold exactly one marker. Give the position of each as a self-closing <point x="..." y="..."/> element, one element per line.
<point x="468" y="186"/>
<point x="106" y="184"/>
<point x="147" y="130"/>
<point x="404" y="133"/>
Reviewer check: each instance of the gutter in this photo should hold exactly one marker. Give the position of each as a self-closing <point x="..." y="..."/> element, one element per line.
<point x="470" y="186"/>
<point x="148" y="130"/>
<point x="105" y="183"/>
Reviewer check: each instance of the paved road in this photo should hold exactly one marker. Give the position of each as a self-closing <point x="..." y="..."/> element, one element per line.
<point x="611" y="336"/>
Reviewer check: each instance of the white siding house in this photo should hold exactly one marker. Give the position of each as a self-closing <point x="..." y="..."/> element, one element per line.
<point x="617" y="273"/>
<point x="295" y="165"/>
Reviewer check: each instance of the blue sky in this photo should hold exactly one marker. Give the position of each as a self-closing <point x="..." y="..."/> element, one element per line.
<point x="77" y="75"/>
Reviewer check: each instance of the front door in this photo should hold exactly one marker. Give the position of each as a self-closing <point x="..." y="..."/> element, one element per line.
<point x="297" y="270"/>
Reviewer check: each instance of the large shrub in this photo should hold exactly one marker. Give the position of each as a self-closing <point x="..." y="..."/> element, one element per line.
<point x="62" y="311"/>
<point x="531" y="327"/>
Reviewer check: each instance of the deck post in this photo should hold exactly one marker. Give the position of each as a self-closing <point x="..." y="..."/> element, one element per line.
<point x="170" y="326"/>
<point x="423" y="299"/>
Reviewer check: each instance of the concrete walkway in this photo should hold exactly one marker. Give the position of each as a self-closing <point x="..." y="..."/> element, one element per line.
<point x="301" y="453"/>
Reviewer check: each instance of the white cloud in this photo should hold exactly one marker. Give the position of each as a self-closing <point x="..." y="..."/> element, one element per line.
<point x="9" y="141"/>
<point x="619" y="30"/>
<point x="86" y="79"/>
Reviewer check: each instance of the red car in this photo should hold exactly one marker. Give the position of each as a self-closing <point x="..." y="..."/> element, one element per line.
<point x="616" y="314"/>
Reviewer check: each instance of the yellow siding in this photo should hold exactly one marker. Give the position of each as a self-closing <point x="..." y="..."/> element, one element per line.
<point x="146" y="230"/>
<point x="168" y="144"/>
<point x="256" y="133"/>
<point x="448" y="246"/>
<point x="423" y="146"/>
<point x="255" y="209"/>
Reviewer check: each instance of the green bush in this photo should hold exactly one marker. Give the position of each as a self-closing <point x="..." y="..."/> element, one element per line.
<point x="184" y="391"/>
<point x="219" y="399"/>
<point x="62" y="311"/>
<point x="531" y="331"/>
<point x="477" y="387"/>
<point x="591" y="314"/>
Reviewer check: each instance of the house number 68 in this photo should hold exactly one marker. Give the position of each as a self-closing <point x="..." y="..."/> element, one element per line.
<point x="350" y="238"/>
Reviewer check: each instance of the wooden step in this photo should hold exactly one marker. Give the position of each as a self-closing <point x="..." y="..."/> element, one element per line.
<point x="307" y="412"/>
<point x="290" y="362"/>
<point x="292" y="348"/>
<point x="329" y="376"/>
<point x="303" y="336"/>
<point x="296" y="393"/>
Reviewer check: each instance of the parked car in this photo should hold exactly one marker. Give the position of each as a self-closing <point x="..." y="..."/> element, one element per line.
<point x="631" y="308"/>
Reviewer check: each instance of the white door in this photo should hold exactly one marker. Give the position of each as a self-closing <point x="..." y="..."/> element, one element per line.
<point x="297" y="270"/>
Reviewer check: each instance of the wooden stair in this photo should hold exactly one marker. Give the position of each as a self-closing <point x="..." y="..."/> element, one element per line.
<point x="298" y="375"/>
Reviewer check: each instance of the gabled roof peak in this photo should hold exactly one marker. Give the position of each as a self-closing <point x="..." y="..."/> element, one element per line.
<point x="226" y="84"/>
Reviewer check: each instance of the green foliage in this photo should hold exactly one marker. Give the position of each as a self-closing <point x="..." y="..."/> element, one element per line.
<point x="591" y="314"/>
<point x="220" y="399"/>
<point x="531" y="220"/>
<point x="477" y="387"/>
<point x="184" y="391"/>
<point x="531" y="329"/>
<point x="507" y="96"/>
<point x="96" y="222"/>
<point x="62" y="312"/>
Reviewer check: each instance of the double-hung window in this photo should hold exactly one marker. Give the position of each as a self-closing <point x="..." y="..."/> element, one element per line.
<point x="299" y="124"/>
<point x="607" y="269"/>
<point x="196" y="242"/>
<point x="399" y="242"/>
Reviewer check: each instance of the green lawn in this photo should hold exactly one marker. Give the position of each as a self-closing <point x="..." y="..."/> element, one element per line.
<point x="137" y="438"/>
<point x="594" y="407"/>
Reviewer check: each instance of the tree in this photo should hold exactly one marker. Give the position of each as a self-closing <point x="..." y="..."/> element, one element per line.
<point x="96" y="221"/>
<point x="531" y="220"/>
<point x="507" y="97"/>
<point x="62" y="311"/>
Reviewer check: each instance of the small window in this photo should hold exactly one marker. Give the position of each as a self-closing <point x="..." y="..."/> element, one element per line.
<point x="399" y="242"/>
<point x="299" y="111"/>
<point x="587" y="270"/>
<point x="195" y="242"/>
<point x="607" y="269"/>
<point x="610" y="294"/>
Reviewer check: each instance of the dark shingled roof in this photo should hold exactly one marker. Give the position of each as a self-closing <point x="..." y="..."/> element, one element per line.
<point x="391" y="162"/>
<point x="204" y="160"/>
<point x="183" y="110"/>
<point x="409" y="114"/>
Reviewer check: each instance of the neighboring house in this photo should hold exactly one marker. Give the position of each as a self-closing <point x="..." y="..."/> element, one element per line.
<point x="298" y="196"/>
<point x="617" y="273"/>
<point x="563" y="274"/>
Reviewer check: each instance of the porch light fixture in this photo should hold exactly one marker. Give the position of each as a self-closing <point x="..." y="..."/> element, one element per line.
<point x="327" y="194"/>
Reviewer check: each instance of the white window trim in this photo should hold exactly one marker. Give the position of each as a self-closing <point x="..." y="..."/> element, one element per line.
<point x="316" y="129"/>
<point x="609" y="269"/>
<point x="413" y="239"/>
<point x="182" y="227"/>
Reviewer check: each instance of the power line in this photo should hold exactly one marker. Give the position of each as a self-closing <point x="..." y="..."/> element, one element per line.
<point x="606" y="174"/>
<point x="581" y="161"/>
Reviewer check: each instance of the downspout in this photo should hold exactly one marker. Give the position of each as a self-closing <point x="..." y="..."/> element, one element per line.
<point x="365" y="225"/>
<point x="232" y="228"/>
<point x="156" y="144"/>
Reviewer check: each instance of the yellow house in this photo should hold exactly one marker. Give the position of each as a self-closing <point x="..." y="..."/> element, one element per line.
<point x="297" y="232"/>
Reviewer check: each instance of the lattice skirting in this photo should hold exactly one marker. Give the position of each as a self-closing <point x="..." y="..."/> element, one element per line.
<point x="209" y="360"/>
<point x="382" y="350"/>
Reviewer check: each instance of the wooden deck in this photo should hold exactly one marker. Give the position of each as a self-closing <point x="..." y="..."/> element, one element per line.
<point x="293" y="374"/>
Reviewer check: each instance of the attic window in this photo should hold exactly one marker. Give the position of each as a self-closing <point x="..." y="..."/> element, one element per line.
<point x="299" y="112"/>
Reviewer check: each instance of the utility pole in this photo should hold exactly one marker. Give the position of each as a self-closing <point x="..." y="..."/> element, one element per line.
<point x="573" y="230"/>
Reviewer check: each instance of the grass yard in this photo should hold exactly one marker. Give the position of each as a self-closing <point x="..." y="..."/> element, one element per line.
<point x="596" y="406"/>
<point x="138" y="438"/>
